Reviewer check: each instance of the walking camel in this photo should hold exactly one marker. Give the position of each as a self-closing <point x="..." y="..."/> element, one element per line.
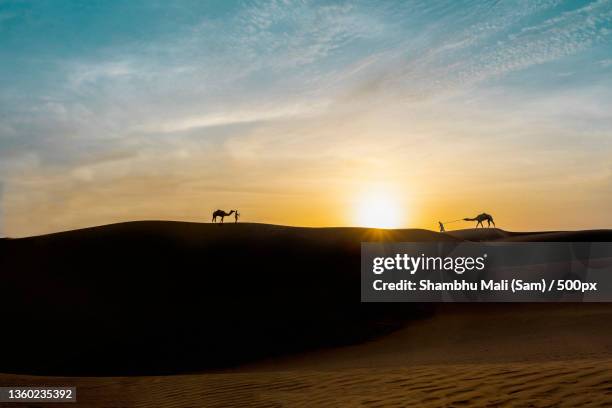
<point x="222" y="214"/>
<point x="480" y="218"/>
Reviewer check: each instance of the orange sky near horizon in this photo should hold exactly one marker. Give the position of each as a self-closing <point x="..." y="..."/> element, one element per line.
<point x="326" y="176"/>
<point x="324" y="170"/>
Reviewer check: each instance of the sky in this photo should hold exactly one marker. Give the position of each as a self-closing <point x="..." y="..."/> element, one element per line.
<point x="304" y="113"/>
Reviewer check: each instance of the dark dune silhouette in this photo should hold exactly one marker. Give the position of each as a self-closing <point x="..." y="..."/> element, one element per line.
<point x="156" y="297"/>
<point x="169" y="297"/>
<point x="496" y="234"/>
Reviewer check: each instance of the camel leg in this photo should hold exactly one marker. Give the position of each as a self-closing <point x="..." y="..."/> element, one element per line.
<point x="214" y="219"/>
<point x="222" y="220"/>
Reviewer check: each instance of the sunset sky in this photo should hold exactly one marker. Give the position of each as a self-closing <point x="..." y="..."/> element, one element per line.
<point x="305" y="113"/>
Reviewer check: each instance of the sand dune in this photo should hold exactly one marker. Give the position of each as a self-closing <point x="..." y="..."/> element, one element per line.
<point x="496" y="234"/>
<point x="473" y="334"/>
<point x="535" y="355"/>
<point x="542" y="384"/>
<point x="263" y="315"/>
<point x="161" y="297"/>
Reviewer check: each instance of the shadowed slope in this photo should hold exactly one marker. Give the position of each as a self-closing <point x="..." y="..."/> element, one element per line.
<point x="503" y="355"/>
<point x="170" y="296"/>
<point x="154" y="297"/>
<point x="496" y="234"/>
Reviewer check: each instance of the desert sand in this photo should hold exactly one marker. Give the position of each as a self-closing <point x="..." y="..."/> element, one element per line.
<point x="510" y="355"/>
<point x="151" y="315"/>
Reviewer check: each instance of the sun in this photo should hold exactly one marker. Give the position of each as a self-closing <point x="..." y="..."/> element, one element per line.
<point x="379" y="210"/>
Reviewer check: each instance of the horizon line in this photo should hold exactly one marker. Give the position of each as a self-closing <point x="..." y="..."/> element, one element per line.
<point x="290" y="226"/>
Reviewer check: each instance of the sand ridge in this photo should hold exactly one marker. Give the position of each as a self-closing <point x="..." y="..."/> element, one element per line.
<point x="569" y="383"/>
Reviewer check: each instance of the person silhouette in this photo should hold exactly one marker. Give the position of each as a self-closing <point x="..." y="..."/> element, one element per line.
<point x="441" y="226"/>
<point x="236" y="215"/>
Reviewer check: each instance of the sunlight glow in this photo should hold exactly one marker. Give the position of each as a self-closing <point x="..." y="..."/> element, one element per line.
<point x="379" y="210"/>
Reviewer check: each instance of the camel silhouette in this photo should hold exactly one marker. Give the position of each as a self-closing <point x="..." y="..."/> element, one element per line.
<point x="222" y="214"/>
<point x="480" y="218"/>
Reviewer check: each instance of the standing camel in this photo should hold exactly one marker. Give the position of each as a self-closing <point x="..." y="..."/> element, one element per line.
<point x="480" y="218"/>
<point x="222" y="214"/>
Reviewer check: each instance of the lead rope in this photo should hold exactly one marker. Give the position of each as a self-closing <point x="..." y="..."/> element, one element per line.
<point x="450" y="222"/>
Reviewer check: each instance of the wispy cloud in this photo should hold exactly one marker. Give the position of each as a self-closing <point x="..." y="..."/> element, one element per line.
<point x="606" y="63"/>
<point x="84" y="74"/>
<point x="227" y="118"/>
